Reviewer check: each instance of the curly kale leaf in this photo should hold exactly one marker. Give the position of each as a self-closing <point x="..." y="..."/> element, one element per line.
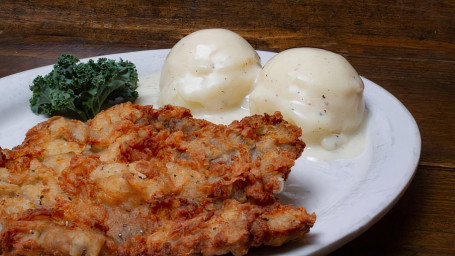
<point x="81" y="90"/>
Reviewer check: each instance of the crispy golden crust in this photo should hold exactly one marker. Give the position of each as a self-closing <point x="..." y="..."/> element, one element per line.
<point x="142" y="181"/>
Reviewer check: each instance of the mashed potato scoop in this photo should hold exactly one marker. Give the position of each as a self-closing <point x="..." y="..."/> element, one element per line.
<point x="315" y="89"/>
<point x="209" y="70"/>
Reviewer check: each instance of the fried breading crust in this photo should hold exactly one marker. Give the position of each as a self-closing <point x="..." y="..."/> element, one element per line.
<point x="142" y="181"/>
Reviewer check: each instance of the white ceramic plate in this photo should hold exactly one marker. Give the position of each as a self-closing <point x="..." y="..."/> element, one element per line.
<point x="348" y="195"/>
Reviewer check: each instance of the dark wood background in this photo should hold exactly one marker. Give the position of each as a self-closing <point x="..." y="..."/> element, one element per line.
<point x="408" y="47"/>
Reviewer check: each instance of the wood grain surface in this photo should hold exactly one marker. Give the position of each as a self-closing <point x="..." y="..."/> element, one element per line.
<point x="407" y="47"/>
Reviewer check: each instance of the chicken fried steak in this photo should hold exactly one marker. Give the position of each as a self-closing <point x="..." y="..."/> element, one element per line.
<point x="141" y="181"/>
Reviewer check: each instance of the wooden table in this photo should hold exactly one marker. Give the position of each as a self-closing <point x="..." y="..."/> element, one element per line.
<point x="407" y="47"/>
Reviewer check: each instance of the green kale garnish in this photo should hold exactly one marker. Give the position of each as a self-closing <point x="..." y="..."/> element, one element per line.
<point x="81" y="90"/>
